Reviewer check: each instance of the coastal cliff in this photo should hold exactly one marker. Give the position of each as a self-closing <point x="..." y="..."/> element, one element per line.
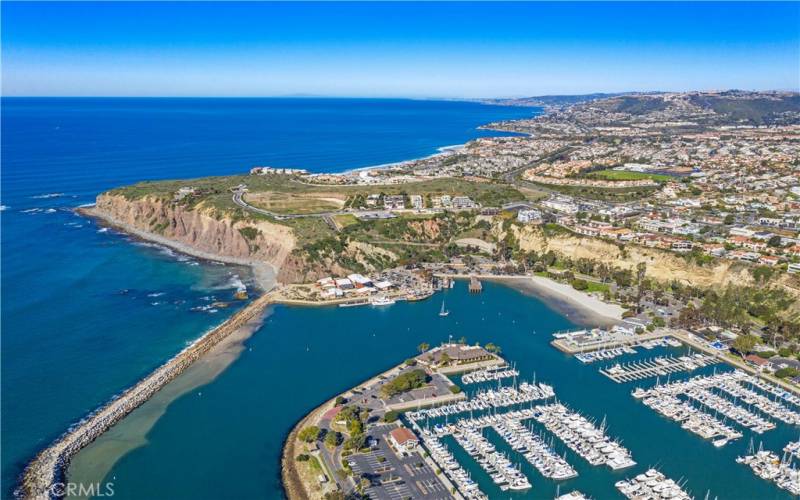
<point x="661" y="266"/>
<point x="199" y="229"/>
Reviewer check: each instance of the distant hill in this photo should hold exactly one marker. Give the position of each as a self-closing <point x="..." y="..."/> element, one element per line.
<point x="554" y="100"/>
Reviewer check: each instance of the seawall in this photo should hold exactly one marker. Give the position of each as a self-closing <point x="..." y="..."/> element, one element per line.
<point x="48" y="467"/>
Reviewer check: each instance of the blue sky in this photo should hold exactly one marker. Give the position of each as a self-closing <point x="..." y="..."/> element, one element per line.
<point x="395" y="49"/>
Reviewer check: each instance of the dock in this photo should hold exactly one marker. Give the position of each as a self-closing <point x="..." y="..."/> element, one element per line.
<point x="612" y="343"/>
<point x="660" y="366"/>
<point x="475" y="285"/>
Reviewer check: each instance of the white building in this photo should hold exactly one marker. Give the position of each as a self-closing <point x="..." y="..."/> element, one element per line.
<point x="528" y="216"/>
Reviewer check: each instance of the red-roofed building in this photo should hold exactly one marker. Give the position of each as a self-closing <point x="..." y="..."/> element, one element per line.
<point x="757" y="361"/>
<point x="403" y="439"/>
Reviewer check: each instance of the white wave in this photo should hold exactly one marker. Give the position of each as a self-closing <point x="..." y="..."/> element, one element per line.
<point x="155" y="294"/>
<point x="4" y="207"/>
<point x="155" y="303"/>
<point x="102" y="230"/>
<point x="234" y="282"/>
<point x="47" y="195"/>
<point x="31" y="211"/>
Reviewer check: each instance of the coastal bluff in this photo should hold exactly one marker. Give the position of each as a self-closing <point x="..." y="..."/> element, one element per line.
<point x="199" y="229"/>
<point x="47" y="469"/>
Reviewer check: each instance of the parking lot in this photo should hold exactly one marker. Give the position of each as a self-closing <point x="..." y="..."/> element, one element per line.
<point x="395" y="477"/>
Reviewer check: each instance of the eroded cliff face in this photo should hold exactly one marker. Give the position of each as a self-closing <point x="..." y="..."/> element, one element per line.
<point x="197" y="228"/>
<point x="661" y="266"/>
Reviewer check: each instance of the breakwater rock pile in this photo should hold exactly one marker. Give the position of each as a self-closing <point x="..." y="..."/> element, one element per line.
<point x="48" y="468"/>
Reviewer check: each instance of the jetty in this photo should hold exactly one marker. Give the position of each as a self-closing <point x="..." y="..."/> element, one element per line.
<point x="475" y="285"/>
<point x="49" y="466"/>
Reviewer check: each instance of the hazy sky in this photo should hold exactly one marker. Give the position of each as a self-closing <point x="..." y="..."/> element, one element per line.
<point x="395" y="49"/>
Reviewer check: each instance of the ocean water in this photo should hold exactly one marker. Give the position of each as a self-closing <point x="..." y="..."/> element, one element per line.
<point x="87" y="312"/>
<point x="224" y="441"/>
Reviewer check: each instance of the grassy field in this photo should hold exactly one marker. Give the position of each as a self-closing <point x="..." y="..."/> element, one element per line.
<point x="296" y="203"/>
<point x="624" y="175"/>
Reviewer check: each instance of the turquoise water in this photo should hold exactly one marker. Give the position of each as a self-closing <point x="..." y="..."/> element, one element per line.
<point x="81" y="318"/>
<point x="225" y="441"/>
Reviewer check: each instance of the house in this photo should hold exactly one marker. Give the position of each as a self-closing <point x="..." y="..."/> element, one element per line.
<point x="461" y="202"/>
<point x="394" y="202"/>
<point x="403" y="439"/>
<point x="793" y="268"/>
<point x="416" y="201"/>
<point x="757" y="362"/>
<point x="768" y="260"/>
<point x="360" y="281"/>
<point x="344" y="284"/>
<point x="529" y="216"/>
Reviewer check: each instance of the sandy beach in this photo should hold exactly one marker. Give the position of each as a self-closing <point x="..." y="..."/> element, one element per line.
<point x="579" y="307"/>
<point x="264" y="273"/>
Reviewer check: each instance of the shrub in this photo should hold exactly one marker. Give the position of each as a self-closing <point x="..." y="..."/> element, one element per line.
<point x="787" y="372"/>
<point x="309" y="434"/>
<point x="455" y="389"/>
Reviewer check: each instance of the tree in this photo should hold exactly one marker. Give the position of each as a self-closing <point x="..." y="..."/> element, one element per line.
<point x="774" y="241"/>
<point x="309" y="434"/>
<point x="491" y="347"/>
<point x="744" y="343"/>
<point x="333" y="439"/>
<point x="423" y="347"/>
<point x="729" y="219"/>
<point x="641" y="270"/>
<point x="445" y="358"/>
<point x="580" y="284"/>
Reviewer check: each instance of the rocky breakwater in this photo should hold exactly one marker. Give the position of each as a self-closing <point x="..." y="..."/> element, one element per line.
<point x="42" y="476"/>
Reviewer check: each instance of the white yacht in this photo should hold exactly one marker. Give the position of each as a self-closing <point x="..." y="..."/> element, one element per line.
<point x="381" y="301"/>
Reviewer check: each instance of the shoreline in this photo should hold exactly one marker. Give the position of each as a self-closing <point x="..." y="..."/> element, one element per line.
<point x="573" y="304"/>
<point x="264" y="273"/>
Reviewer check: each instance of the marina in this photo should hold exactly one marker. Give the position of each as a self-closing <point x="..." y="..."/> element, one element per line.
<point x="793" y="448"/>
<point x="502" y="471"/>
<point x="659" y="366"/>
<point x="652" y="484"/>
<point x="450" y="467"/>
<point x="535" y="450"/>
<point x="781" y="471"/>
<point x="583" y="437"/>
<point x="489" y="374"/>
<point x="488" y="399"/>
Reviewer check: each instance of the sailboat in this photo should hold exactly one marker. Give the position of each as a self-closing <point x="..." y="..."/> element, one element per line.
<point x="443" y="312"/>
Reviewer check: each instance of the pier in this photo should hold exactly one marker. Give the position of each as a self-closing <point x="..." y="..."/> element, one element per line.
<point x="660" y="366"/>
<point x="48" y="467"/>
<point x="475" y="285"/>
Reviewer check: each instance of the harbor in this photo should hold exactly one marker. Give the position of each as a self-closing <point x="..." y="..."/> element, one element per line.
<point x="499" y="315"/>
